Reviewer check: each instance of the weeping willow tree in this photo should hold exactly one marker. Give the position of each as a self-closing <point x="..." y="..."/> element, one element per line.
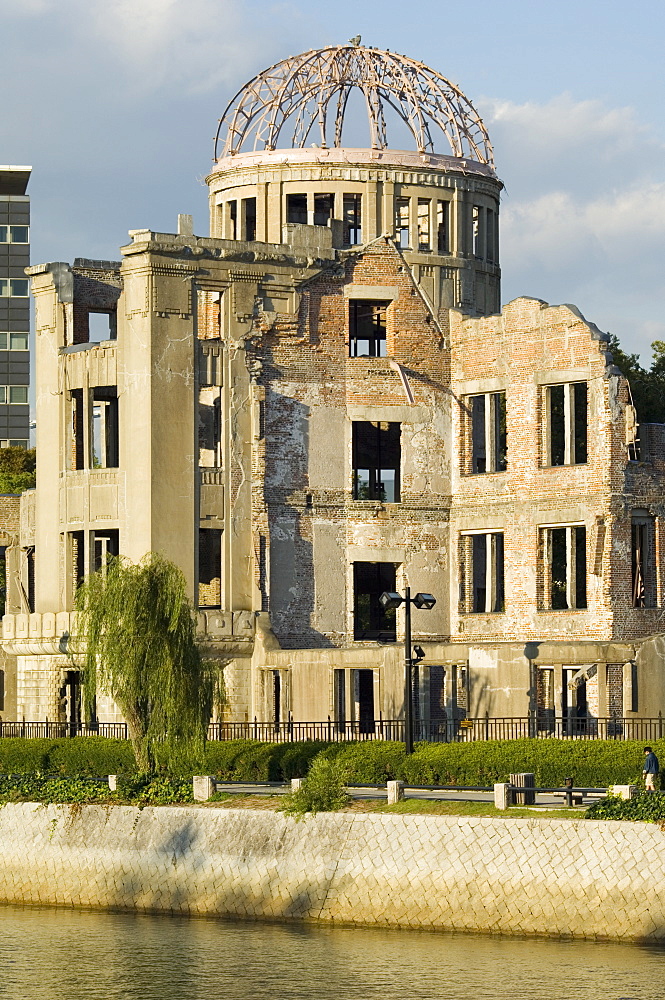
<point x="136" y="641"/>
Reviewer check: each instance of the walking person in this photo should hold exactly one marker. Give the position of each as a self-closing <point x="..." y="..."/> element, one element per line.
<point x="651" y="769"/>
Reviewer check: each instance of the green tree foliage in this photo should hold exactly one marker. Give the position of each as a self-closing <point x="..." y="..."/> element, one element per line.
<point x="647" y="385"/>
<point x="137" y="642"/>
<point x="17" y="470"/>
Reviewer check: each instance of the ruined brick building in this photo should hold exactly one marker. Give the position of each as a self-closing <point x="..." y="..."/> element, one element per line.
<point x="322" y="401"/>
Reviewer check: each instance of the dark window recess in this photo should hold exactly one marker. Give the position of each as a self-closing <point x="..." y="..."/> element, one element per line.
<point x="367" y="329"/>
<point x="567" y="562"/>
<point x="2" y="690"/>
<point x="249" y="218"/>
<point x="105" y="427"/>
<point x="557" y="425"/>
<point x="233" y="220"/>
<point x="568" y="423"/>
<point x="424" y="224"/>
<point x="296" y="209"/>
<point x="210" y="567"/>
<point x="276" y="697"/>
<point x="491" y="236"/>
<point x="475" y="230"/>
<point x="371" y="621"/>
<point x="442" y="226"/>
<point x="365" y="700"/>
<point x="642" y="563"/>
<point x="210" y="428"/>
<point x="351" y="216"/>
<point x="323" y="209"/>
<point x="484" y="574"/>
<point x="106" y="546"/>
<point x="437" y="693"/>
<point x="488" y="432"/>
<point x="30" y="558"/>
<point x="339" y="695"/>
<point x="545" y="698"/>
<point x="70" y="700"/>
<point x="376" y="461"/>
<point x="77" y="455"/>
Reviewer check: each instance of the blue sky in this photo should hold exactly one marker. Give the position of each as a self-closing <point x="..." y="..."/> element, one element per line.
<point x="115" y="103"/>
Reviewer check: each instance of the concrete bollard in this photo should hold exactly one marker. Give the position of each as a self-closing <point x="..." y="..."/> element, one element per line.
<point x="503" y="796"/>
<point x="296" y="784"/>
<point x="204" y="787"/>
<point x="623" y="791"/>
<point x="395" y="792"/>
<point x="113" y="782"/>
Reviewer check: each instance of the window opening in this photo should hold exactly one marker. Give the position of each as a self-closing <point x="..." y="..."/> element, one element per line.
<point x="210" y="427"/>
<point x="567" y="412"/>
<point x="351" y="216"/>
<point x="488" y="432"/>
<point x="376" y="461"/>
<point x="491" y="235"/>
<point x="402" y="209"/>
<point x="545" y="699"/>
<point x="482" y="576"/>
<point x="105" y="436"/>
<point x="233" y="220"/>
<point x="367" y="329"/>
<point x="339" y="698"/>
<point x="30" y="558"/>
<point x="249" y="218"/>
<point x="17" y="394"/>
<point x="365" y="700"/>
<point x="475" y="226"/>
<point x="77" y="555"/>
<point x="105" y="546"/>
<point x="574" y="703"/>
<point x="424" y="224"/>
<point x="437" y="699"/>
<point x="565" y="559"/>
<point x="371" y="621"/>
<point x="442" y="226"/>
<point x="13" y="341"/>
<point x="77" y="455"/>
<point x="101" y="326"/>
<point x="296" y="209"/>
<point x="14" y="234"/>
<point x="323" y="209"/>
<point x="642" y="562"/>
<point x="210" y="567"/>
<point x="276" y="698"/>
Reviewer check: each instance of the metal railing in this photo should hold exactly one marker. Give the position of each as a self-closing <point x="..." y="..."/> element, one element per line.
<point x="332" y="731"/>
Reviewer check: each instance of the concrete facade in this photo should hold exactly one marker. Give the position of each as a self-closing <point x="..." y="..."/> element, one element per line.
<point x="586" y="879"/>
<point x="322" y="401"/>
<point x="14" y="307"/>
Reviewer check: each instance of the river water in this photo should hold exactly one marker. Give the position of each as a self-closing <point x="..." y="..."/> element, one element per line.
<point x="53" y="954"/>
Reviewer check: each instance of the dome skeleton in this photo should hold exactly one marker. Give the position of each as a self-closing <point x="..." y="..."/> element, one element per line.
<point x="316" y="83"/>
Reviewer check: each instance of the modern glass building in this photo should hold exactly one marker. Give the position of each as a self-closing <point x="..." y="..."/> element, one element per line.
<point x="14" y="307"/>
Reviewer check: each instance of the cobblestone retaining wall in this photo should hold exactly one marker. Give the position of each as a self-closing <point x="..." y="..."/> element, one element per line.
<point x="532" y="876"/>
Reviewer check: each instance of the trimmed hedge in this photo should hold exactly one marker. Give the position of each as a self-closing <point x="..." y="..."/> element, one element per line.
<point x="591" y="763"/>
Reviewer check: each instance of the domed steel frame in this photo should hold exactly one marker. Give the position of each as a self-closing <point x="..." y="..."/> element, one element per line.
<point x="307" y="85"/>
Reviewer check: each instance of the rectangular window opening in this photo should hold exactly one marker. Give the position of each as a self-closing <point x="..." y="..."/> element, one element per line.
<point x="324" y="206"/>
<point x="77" y="438"/>
<point x="105" y="546"/>
<point x="376" y="461"/>
<point x="105" y="431"/>
<point x="233" y="220"/>
<point x="367" y="329"/>
<point x="643" y="562"/>
<point x="489" y="452"/>
<point x="566" y="569"/>
<point x="442" y="226"/>
<point x="482" y="576"/>
<point x="351" y="217"/>
<point x="210" y="567"/>
<point x="101" y="326"/>
<point x="296" y="209"/>
<point x="371" y="621"/>
<point x="475" y="229"/>
<point x="567" y="423"/>
<point x="249" y="219"/>
<point x="402" y="210"/>
<point x="424" y="239"/>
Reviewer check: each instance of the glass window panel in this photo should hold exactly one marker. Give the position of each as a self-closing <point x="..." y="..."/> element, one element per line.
<point x="18" y="444"/>
<point x="4" y="286"/>
<point x="18" y="394"/>
<point x="4" y="234"/>
<point x="19" y="234"/>
<point x="3" y="341"/>
<point x="3" y="393"/>
<point x="19" y="287"/>
<point x="17" y="341"/>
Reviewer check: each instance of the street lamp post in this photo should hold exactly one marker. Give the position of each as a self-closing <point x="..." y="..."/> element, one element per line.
<point x="388" y="600"/>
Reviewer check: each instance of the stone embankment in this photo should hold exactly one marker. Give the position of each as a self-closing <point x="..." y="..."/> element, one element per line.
<point x="513" y="876"/>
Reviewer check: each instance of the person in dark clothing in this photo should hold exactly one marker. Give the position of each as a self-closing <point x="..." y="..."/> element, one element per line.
<point x="651" y="769"/>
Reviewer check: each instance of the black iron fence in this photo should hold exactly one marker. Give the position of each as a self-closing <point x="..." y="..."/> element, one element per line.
<point x="444" y="731"/>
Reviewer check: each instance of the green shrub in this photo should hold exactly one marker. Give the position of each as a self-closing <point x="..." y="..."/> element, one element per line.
<point x="155" y="790"/>
<point x="34" y="788"/>
<point x="93" y="756"/>
<point x="250" y="760"/>
<point x="648" y="807"/>
<point x="323" y="790"/>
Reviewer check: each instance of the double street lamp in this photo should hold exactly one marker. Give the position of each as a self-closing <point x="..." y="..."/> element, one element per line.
<point x="390" y="600"/>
